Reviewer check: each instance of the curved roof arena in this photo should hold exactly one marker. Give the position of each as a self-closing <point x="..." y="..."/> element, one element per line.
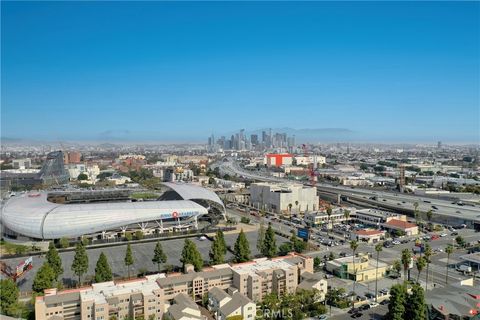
<point x="32" y="215"/>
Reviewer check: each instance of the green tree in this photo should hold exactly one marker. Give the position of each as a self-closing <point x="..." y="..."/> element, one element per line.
<point x="191" y="255"/>
<point x="427" y="254"/>
<point x="460" y="241"/>
<point x="406" y="259"/>
<point x="44" y="279"/>
<point x="415" y="211"/>
<point x="297" y="244"/>
<point x="285" y="248"/>
<point x="128" y="258"/>
<point x="64" y="243"/>
<point x="216" y="252"/>
<point x="346" y="215"/>
<point x="158" y="255"/>
<point x="316" y="262"/>
<point x="354" y="247"/>
<point x="103" y="272"/>
<point x="396" y="307"/>
<point x="261" y="237"/>
<point x="54" y="260"/>
<point x="8" y="297"/>
<point x="82" y="176"/>
<point x="331" y="256"/>
<point x="421" y="263"/>
<point x="242" y="248"/>
<point x="329" y="215"/>
<point x="397" y="266"/>
<point x="378" y="249"/>
<point x="221" y="239"/>
<point x="80" y="262"/>
<point x="270" y="246"/>
<point x="449" y="251"/>
<point x="429" y="215"/>
<point x="415" y="307"/>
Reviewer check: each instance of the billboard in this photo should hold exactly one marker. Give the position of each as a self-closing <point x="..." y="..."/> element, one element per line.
<point x="303" y="233"/>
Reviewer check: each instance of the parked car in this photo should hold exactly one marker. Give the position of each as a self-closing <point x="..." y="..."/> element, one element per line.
<point x="364" y="307"/>
<point x="443" y="235"/>
<point x="385" y="302"/>
<point x="356" y="315"/>
<point x="454" y="233"/>
<point x="370" y="295"/>
<point x="373" y="304"/>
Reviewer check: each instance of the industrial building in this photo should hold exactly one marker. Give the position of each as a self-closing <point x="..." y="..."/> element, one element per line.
<point x="283" y="197"/>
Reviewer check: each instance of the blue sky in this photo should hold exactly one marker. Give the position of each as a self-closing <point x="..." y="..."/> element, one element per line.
<point x="178" y="71"/>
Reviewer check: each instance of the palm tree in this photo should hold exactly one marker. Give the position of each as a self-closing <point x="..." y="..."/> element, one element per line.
<point x="429" y="215"/>
<point x="449" y="251"/>
<point x="329" y="214"/>
<point x="378" y="248"/>
<point x="415" y="211"/>
<point x="420" y="266"/>
<point x="406" y="259"/>
<point x="346" y="214"/>
<point x="290" y="207"/>
<point x="354" y="247"/>
<point x="427" y="254"/>
<point x="296" y="204"/>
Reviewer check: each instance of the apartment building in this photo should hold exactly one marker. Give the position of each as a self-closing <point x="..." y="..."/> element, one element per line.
<point x="154" y="295"/>
<point x="103" y="301"/>
<point x="319" y="218"/>
<point x="224" y="305"/>
<point x="257" y="278"/>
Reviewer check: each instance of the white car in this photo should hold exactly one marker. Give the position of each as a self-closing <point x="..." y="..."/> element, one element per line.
<point x="396" y="242"/>
<point x="202" y="238"/>
<point x="443" y="235"/>
<point x="373" y="304"/>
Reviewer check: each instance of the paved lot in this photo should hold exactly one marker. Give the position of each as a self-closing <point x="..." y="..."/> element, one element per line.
<point x="371" y="314"/>
<point x="142" y="253"/>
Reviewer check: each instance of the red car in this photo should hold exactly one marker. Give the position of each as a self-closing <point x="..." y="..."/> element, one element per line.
<point x="435" y="237"/>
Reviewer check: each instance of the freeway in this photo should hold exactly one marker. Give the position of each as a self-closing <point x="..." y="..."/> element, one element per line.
<point x="444" y="211"/>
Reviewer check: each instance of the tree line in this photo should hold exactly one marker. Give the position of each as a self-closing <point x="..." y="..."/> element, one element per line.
<point x="49" y="273"/>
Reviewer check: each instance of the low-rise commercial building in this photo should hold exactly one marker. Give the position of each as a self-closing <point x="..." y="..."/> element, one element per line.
<point x="339" y="215"/>
<point x="359" y="268"/>
<point x="283" y="197"/>
<point x="368" y="235"/>
<point x="409" y="229"/>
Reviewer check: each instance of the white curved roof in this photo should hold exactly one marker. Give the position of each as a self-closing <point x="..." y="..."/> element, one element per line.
<point x="33" y="216"/>
<point x="192" y="192"/>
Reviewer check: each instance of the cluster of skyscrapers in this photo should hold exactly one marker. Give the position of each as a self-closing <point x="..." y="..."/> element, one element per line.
<point x="242" y="141"/>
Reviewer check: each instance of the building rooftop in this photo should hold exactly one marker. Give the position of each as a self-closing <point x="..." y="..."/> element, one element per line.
<point x="370" y="232"/>
<point x="102" y="292"/>
<point x="262" y="264"/>
<point x="400" y="224"/>
<point x="238" y="300"/>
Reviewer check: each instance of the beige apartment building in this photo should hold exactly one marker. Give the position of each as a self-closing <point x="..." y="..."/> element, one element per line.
<point x="151" y="297"/>
<point x="103" y="301"/>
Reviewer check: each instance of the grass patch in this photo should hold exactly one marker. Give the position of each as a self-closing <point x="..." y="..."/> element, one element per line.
<point x="144" y="195"/>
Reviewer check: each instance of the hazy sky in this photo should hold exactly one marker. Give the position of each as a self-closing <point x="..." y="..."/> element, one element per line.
<point x="400" y="71"/>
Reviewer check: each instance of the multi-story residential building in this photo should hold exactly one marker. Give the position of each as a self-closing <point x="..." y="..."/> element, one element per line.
<point x="154" y="295"/>
<point x="283" y="197"/>
<point x="224" y="305"/>
<point x="101" y="301"/>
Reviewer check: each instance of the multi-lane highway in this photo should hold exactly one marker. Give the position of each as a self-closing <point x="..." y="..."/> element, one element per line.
<point x="444" y="211"/>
